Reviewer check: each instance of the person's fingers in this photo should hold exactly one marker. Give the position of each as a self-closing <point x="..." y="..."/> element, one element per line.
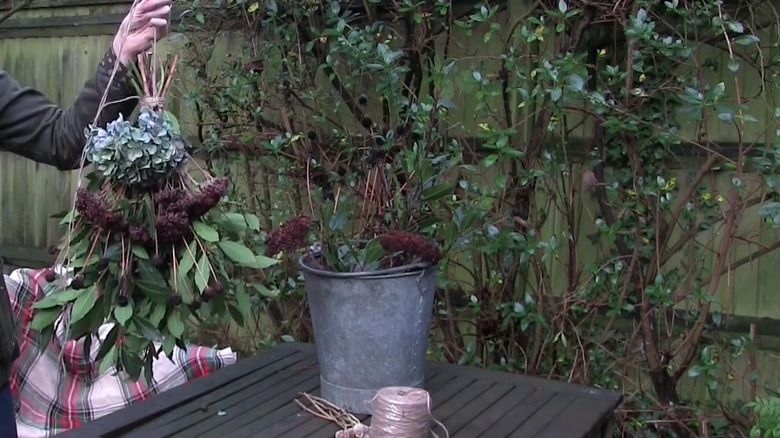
<point x="161" y="12"/>
<point x="158" y="22"/>
<point x="161" y="26"/>
<point x="143" y="19"/>
<point x="150" y="5"/>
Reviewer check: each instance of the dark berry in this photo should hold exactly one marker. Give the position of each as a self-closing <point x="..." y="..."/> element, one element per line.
<point x="122" y="301"/>
<point x="77" y="282"/>
<point x="102" y="264"/>
<point x="312" y="135"/>
<point x="174" y="299"/>
<point x="342" y="171"/>
<point x="416" y="136"/>
<point x="400" y="130"/>
<point x="50" y="275"/>
<point x="158" y="261"/>
<point x="209" y="293"/>
<point x="218" y="287"/>
<point x="195" y="305"/>
<point x="367" y="122"/>
<point x="362" y="100"/>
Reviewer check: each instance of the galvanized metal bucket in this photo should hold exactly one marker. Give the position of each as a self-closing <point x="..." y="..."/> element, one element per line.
<point x="370" y="330"/>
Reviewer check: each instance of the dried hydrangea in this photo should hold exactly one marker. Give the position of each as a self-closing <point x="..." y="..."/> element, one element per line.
<point x="143" y="155"/>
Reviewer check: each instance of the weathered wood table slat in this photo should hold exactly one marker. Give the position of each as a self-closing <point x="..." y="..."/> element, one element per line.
<point x="255" y="398"/>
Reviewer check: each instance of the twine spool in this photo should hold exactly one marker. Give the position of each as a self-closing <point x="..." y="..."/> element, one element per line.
<point x="401" y="412"/>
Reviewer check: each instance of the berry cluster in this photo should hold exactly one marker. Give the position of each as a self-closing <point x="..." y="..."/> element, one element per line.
<point x="410" y="244"/>
<point x="207" y="199"/>
<point x="288" y="238"/>
<point x="177" y="207"/>
<point x="172" y="226"/>
<point x="96" y="211"/>
<point x="141" y="236"/>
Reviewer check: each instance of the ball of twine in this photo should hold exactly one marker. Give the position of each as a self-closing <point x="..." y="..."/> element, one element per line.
<point x="401" y="412"/>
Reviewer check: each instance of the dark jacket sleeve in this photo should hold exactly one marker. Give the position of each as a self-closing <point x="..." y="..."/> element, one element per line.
<point x="33" y="126"/>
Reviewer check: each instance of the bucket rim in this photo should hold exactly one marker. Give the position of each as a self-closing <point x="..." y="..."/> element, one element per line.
<point x="398" y="271"/>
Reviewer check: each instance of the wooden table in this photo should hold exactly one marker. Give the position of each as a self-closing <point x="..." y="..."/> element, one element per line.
<point x="255" y="398"/>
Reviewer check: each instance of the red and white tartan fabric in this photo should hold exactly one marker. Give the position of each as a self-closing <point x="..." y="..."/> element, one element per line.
<point x="59" y="389"/>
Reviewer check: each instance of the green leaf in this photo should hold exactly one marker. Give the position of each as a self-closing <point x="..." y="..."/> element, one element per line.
<point x="108" y="342"/>
<point x="338" y="221"/>
<point x="184" y="288"/>
<point x="168" y="345"/>
<point x="238" y="253"/>
<point x="243" y="302"/>
<point x="437" y="192"/>
<point x="236" y="222"/>
<point x="170" y="118"/>
<point x="57" y="299"/>
<point x="264" y="262"/>
<point x="158" y="313"/>
<point x="140" y="252"/>
<point x="123" y="313"/>
<point x="236" y="314"/>
<point x="132" y="364"/>
<point x="151" y="281"/>
<point x="373" y="252"/>
<point x="146" y="329"/>
<point x="262" y="290"/>
<point x="205" y="232"/>
<point x="203" y="273"/>
<point x="109" y="360"/>
<point x="44" y="318"/>
<point x="69" y="218"/>
<point x="490" y="160"/>
<point x="253" y="222"/>
<point x="188" y="260"/>
<point x="84" y="303"/>
<point x="175" y="324"/>
<point x="746" y="40"/>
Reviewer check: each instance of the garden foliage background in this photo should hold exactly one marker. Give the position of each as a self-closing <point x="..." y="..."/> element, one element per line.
<point x="602" y="176"/>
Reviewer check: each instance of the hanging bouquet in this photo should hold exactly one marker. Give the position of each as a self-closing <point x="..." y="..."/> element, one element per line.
<point x="149" y="246"/>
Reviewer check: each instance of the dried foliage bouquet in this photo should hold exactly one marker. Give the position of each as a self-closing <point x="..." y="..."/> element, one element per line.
<point x="149" y="246"/>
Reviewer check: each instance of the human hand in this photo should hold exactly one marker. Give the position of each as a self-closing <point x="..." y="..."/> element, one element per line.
<point x="145" y="23"/>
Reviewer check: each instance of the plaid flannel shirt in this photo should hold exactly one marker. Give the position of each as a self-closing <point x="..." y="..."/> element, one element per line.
<point x="60" y="388"/>
<point x="9" y="349"/>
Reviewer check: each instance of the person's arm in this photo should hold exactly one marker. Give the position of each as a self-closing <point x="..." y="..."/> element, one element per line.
<point x="33" y="126"/>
